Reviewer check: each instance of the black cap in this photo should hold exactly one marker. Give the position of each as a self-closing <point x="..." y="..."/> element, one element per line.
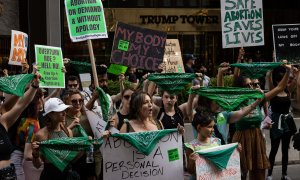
<point x="187" y="57"/>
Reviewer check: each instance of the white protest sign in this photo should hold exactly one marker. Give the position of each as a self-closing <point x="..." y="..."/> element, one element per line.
<point x="19" y="44"/>
<point x="122" y="161"/>
<point x="86" y="80"/>
<point x="97" y="124"/>
<point x="172" y="57"/>
<point x="242" y="23"/>
<point x="207" y="170"/>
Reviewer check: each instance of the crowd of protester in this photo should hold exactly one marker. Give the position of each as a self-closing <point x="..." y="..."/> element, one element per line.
<point x="28" y="120"/>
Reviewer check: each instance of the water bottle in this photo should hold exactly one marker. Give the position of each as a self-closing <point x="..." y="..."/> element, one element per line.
<point x="90" y="155"/>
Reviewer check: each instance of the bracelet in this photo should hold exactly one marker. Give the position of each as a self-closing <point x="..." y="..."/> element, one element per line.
<point x="35" y="86"/>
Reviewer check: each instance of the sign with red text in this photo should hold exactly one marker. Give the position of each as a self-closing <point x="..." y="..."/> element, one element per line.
<point x="138" y="47"/>
<point x="172" y="58"/>
<point x="242" y="23"/>
<point x="205" y="169"/>
<point x="286" y="41"/>
<point x="18" y="51"/>
<point x="122" y="161"/>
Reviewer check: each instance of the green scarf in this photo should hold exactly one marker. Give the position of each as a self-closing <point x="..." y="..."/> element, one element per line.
<point x="172" y="82"/>
<point x="79" y="130"/>
<point x="256" y="70"/>
<point x="219" y="155"/>
<point x="145" y="142"/>
<point x="60" y="152"/>
<point x="104" y="103"/>
<point x="229" y="98"/>
<point x="81" y="67"/>
<point x="15" y="84"/>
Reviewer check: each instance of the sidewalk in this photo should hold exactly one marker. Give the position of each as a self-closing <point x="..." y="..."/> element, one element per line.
<point x="294" y="155"/>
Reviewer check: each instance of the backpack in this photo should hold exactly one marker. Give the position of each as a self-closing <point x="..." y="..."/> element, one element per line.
<point x="296" y="140"/>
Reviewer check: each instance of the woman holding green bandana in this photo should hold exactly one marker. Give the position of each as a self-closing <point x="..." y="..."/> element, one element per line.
<point x="55" y="117"/>
<point x="253" y="157"/>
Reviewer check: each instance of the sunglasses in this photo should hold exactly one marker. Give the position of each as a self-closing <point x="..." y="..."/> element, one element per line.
<point x="2" y="98"/>
<point x="126" y="97"/>
<point x="77" y="101"/>
<point x="72" y="85"/>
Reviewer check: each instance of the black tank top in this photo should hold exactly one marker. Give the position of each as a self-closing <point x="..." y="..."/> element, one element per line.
<point x="6" y="148"/>
<point x="171" y="122"/>
<point x="280" y="105"/>
<point x="121" y="119"/>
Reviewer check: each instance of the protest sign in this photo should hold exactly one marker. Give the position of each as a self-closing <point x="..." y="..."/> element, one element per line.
<point x="138" y="47"/>
<point x="98" y="125"/>
<point x="206" y="169"/>
<point x="19" y="44"/>
<point x="172" y="57"/>
<point x="50" y="62"/>
<point x="286" y="41"/>
<point x="163" y="163"/>
<point x="242" y="23"/>
<point x="117" y="69"/>
<point x="86" y="80"/>
<point x="85" y="20"/>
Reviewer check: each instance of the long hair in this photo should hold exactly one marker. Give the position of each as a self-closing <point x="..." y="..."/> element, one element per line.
<point x="49" y="124"/>
<point x="278" y="74"/>
<point x="136" y="102"/>
<point x="32" y="110"/>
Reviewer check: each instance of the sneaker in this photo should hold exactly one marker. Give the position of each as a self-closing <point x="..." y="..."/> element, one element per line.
<point x="285" y="177"/>
<point x="269" y="178"/>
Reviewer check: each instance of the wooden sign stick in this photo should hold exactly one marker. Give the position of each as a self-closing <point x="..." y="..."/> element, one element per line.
<point x="92" y="58"/>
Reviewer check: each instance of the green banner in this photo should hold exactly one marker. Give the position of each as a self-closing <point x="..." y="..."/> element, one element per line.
<point x="117" y="69"/>
<point x="50" y="62"/>
<point x="86" y="19"/>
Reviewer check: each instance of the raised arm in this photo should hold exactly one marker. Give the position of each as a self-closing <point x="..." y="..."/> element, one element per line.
<point x="237" y="115"/>
<point x="281" y="85"/>
<point x="223" y="68"/>
<point x="236" y="71"/>
<point x="10" y="117"/>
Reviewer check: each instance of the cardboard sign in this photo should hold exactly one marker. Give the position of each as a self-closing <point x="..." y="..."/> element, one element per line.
<point x="18" y="51"/>
<point x="50" y="62"/>
<point x="206" y="170"/>
<point x="85" y="20"/>
<point x="242" y="23"/>
<point x="86" y="80"/>
<point x="98" y="125"/>
<point x="138" y="47"/>
<point x="117" y="69"/>
<point x="122" y="161"/>
<point x="172" y="57"/>
<point x="286" y="40"/>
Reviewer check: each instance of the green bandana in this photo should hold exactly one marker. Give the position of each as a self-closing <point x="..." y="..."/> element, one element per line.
<point x="219" y="155"/>
<point x="81" y="67"/>
<point x="79" y="130"/>
<point x="172" y="82"/>
<point x="15" y="84"/>
<point x="104" y="103"/>
<point x="256" y="70"/>
<point x="145" y="142"/>
<point x="229" y="98"/>
<point x="60" y="152"/>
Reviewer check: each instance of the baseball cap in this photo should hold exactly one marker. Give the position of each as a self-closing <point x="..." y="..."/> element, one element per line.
<point x="54" y="105"/>
<point x="189" y="56"/>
